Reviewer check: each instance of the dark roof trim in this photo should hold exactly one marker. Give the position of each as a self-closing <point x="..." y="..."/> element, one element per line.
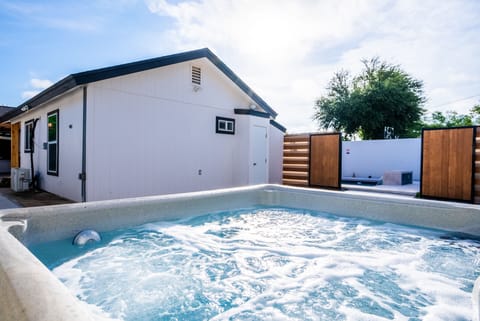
<point x="252" y="112"/>
<point x="86" y="77"/>
<point x="5" y="109"/>
<point x="278" y="126"/>
<point x="230" y="74"/>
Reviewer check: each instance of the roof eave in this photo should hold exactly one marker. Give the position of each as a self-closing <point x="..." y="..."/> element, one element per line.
<point x="243" y="86"/>
<point x="86" y="77"/>
<point x="51" y="92"/>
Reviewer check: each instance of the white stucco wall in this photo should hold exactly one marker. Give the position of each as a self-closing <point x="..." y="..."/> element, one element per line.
<point x="151" y="133"/>
<point x="66" y="184"/>
<point x="374" y="157"/>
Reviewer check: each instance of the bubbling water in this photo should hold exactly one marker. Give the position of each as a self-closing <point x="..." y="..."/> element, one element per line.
<point x="273" y="264"/>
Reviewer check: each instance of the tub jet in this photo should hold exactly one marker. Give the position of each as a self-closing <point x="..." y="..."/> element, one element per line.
<point x="85" y="236"/>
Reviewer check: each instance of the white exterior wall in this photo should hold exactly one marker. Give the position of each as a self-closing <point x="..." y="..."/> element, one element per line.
<point x="276" y="155"/>
<point x="150" y="133"/>
<point x="66" y="184"/>
<point x="374" y="157"/>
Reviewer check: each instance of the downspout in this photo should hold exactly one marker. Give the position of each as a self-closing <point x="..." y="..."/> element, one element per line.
<point x="83" y="176"/>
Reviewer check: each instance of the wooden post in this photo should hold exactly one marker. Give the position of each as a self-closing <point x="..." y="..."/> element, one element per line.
<point x="15" y="146"/>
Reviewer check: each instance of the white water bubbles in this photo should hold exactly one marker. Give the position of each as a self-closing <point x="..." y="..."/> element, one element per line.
<point x="276" y="264"/>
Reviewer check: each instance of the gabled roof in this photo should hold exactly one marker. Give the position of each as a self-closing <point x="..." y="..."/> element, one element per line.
<point x="90" y="76"/>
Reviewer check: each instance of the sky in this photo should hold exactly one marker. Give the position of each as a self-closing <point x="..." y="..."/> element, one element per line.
<point x="286" y="51"/>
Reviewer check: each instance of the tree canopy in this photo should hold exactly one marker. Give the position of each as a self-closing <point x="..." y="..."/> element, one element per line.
<point x="382" y="95"/>
<point x="453" y="119"/>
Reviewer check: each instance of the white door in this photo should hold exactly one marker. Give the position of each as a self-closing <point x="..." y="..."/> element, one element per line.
<point x="258" y="166"/>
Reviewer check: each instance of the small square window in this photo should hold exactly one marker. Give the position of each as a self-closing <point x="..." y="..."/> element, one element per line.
<point x="225" y="126"/>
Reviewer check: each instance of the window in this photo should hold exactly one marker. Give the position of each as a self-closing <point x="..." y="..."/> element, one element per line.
<point x="28" y="146"/>
<point x="52" y="143"/>
<point x="225" y="126"/>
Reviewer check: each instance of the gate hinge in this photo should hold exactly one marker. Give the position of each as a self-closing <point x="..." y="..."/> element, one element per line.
<point x="82" y="176"/>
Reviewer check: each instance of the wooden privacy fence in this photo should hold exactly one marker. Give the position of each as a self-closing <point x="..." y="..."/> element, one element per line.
<point x="15" y="146"/>
<point x="450" y="167"/>
<point x="296" y="159"/>
<point x="450" y="162"/>
<point x="312" y="160"/>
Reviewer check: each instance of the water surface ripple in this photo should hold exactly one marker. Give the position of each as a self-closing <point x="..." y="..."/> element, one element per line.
<point x="272" y="264"/>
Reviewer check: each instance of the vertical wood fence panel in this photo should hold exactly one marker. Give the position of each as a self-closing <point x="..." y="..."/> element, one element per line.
<point x="15" y="146"/>
<point x="448" y="158"/>
<point x="325" y="163"/>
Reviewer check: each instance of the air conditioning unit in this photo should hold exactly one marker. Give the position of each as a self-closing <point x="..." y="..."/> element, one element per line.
<point x="20" y="179"/>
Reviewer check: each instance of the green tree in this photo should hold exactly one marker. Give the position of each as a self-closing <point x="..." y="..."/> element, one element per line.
<point x="453" y="119"/>
<point x="382" y="95"/>
<point x="475" y="112"/>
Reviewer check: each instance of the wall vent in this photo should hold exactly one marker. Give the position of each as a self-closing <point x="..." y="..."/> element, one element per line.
<point x="196" y="75"/>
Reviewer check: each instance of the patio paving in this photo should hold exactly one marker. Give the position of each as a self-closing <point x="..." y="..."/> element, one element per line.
<point x="11" y="199"/>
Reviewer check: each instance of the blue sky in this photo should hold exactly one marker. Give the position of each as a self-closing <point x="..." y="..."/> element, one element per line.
<point x="285" y="50"/>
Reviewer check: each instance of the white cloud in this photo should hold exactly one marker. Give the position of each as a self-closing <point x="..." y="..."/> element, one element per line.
<point x="27" y="94"/>
<point x="266" y="29"/>
<point x="288" y="50"/>
<point x="40" y="83"/>
<point x="37" y="85"/>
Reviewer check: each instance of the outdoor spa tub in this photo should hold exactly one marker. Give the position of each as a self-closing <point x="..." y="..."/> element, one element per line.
<point x="29" y="290"/>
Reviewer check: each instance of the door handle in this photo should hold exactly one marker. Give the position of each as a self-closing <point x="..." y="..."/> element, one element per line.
<point x="254" y="164"/>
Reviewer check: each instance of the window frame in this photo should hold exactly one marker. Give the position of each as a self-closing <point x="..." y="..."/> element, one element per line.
<point x="28" y="146"/>
<point x="53" y="172"/>
<point x="225" y="129"/>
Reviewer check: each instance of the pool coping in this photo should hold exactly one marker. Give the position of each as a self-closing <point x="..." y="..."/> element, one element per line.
<point x="29" y="291"/>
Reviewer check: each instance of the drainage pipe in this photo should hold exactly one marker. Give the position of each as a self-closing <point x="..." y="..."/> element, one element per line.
<point x="83" y="176"/>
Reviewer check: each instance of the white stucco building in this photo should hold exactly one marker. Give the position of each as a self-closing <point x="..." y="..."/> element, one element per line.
<point x="177" y="123"/>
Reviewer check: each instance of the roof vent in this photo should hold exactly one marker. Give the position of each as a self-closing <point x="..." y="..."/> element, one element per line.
<point x="196" y="76"/>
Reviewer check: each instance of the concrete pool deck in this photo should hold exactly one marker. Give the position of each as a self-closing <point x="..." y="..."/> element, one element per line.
<point x="406" y="190"/>
<point x="11" y="199"/>
<point x="29" y="291"/>
<point x="7" y="203"/>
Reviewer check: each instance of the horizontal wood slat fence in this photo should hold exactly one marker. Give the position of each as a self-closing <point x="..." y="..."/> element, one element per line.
<point x="296" y="160"/>
<point x="476" y="181"/>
